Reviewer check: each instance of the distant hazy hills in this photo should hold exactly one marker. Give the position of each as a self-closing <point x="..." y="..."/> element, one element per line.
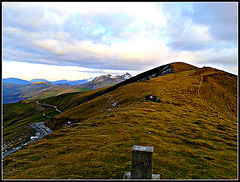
<point x="15" y="89"/>
<point x="59" y="82"/>
<point x="16" y="81"/>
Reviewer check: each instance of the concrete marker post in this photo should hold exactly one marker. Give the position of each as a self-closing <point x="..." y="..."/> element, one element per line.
<point x="142" y="167"/>
<point x="141" y="162"/>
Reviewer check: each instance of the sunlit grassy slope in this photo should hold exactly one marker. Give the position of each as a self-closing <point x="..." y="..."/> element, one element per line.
<point x="193" y="133"/>
<point x="55" y="91"/>
<point x="17" y="117"/>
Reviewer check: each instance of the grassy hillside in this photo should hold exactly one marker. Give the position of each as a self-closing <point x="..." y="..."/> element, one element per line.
<point x="13" y="93"/>
<point x="17" y="118"/>
<point x="58" y="91"/>
<point x="193" y="131"/>
<point x="70" y="100"/>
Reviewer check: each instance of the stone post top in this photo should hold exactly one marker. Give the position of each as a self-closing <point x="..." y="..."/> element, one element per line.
<point x="142" y="148"/>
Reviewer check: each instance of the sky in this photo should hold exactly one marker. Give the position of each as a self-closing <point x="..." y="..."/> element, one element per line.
<point x="80" y="40"/>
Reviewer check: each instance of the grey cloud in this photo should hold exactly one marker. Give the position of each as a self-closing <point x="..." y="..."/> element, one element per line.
<point x="94" y="62"/>
<point x="24" y="17"/>
<point x="178" y="25"/>
<point x="83" y="27"/>
<point x="220" y="17"/>
<point x="189" y="41"/>
<point x="71" y="59"/>
<point x="225" y="57"/>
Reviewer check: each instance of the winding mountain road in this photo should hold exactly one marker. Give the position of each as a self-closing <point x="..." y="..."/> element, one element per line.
<point x="41" y="131"/>
<point x="37" y="102"/>
<point x="39" y="127"/>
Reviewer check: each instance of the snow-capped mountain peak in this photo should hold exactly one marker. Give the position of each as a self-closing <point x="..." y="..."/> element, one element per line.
<point x="127" y="76"/>
<point x="106" y="80"/>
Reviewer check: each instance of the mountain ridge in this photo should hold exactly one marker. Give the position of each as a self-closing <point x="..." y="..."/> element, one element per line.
<point x="13" y="92"/>
<point x="57" y="82"/>
<point x="24" y="82"/>
<point x="189" y="128"/>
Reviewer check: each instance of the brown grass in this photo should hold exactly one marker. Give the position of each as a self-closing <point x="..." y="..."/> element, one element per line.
<point x="191" y="139"/>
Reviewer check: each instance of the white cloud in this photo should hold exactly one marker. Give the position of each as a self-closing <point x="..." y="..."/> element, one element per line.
<point x="54" y="46"/>
<point x="194" y="37"/>
<point x="30" y="71"/>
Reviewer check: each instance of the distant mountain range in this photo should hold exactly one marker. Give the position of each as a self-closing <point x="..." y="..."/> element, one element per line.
<point x="15" y="89"/>
<point x="15" y="81"/>
<point x="58" y="82"/>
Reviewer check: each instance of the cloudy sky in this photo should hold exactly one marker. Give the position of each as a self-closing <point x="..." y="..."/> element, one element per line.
<point x="82" y="40"/>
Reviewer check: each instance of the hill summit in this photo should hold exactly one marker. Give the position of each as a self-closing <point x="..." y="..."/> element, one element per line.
<point x="40" y="83"/>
